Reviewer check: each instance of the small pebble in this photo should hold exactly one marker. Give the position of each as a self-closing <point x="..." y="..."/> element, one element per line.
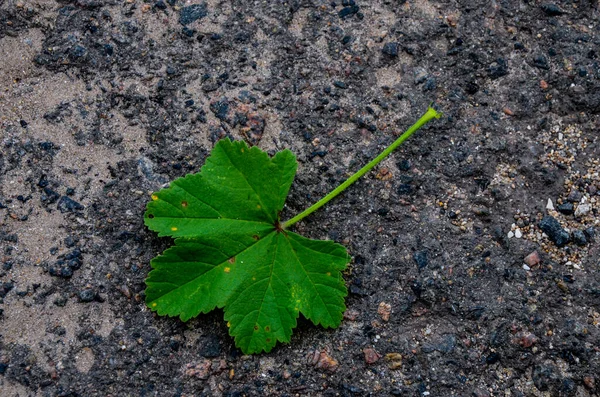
<point x="566" y="208"/>
<point x="518" y="233"/>
<point x="549" y="206"/>
<point x="371" y="356"/>
<point x="583" y="209"/>
<point x="532" y="259"/>
<point x="579" y="238"/>
<point x="554" y="231"/>
<point x="87" y="295"/>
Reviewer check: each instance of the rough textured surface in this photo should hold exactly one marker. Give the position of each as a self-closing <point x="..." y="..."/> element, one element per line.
<point x="103" y="102"/>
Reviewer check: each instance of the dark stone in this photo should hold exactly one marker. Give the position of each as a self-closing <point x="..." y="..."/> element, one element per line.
<point x="566" y="208"/>
<point x="405" y="189"/>
<point x="66" y="204"/>
<point x="551" y="10"/>
<point x="492" y="358"/>
<point x="347" y="12"/>
<point x="23" y="123"/>
<point x="3" y="368"/>
<point x="575" y="196"/>
<point x="61" y="301"/>
<point x="555" y="232"/>
<point x="246" y="97"/>
<point x="189" y="102"/>
<point x="211" y="348"/>
<point x="188" y="32"/>
<point x="60" y="269"/>
<point x="43" y="182"/>
<point x="160" y="4"/>
<point x="579" y="238"/>
<point x="430" y="84"/>
<point x="221" y="109"/>
<point x="498" y="69"/>
<point x="446" y="344"/>
<point x="47" y="146"/>
<point x="403" y="165"/>
<point x="174" y="344"/>
<point x="519" y="46"/>
<point x="390" y="49"/>
<point x="590" y="232"/>
<point x="471" y="88"/>
<point x="568" y="387"/>
<point x="541" y="62"/>
<point x="87" y="295"/>
<point x="78" y="51"/>
<point x="49" y="196"/>
<point x="420" y="258"/>
<point x="543" y="376"/>
<point x="353" y="389"/>
<point x="5" y="288"/>
<point x="70" y="241"/>
<point x="192" y="13"/>
<point x="340" y="84"/>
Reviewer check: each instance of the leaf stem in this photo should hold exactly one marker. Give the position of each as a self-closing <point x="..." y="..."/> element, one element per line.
<point x="428" y="116"/>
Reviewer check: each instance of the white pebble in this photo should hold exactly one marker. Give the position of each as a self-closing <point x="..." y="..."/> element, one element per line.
<point x="583" y="209"/>
<point x="550" y="206"/>
<point x="526" y="267"/>
<point x="518" y="233"/>
<point x="511" y="234"/>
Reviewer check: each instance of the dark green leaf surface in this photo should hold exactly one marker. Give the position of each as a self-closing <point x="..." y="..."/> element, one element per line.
<point x="230" y="252"/>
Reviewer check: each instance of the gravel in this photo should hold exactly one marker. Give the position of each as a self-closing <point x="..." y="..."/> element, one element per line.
<point x="104" y="103"/>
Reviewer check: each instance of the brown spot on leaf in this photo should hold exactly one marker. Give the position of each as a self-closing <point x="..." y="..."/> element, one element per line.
<point x="231" y="260"/>
<point x="184" y="204"/>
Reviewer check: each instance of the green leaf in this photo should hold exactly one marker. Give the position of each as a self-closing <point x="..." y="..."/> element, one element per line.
<point x="231" y="252"/>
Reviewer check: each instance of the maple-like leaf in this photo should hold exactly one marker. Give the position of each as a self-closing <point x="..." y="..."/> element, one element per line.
<point x="232" y="252"/>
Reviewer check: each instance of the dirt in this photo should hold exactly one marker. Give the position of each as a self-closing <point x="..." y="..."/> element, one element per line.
<point x="455" y="289"/>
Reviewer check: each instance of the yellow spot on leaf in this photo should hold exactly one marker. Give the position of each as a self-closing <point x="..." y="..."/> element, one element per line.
<point x="154" y="197"/>
<point x="227" y="269"/>
<point x="328" y="273"/>
<point x="228" y="324"/>
<point x="153" y="304"/>
<point x="173" y="229"/>
<point x="258" y="206"/>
